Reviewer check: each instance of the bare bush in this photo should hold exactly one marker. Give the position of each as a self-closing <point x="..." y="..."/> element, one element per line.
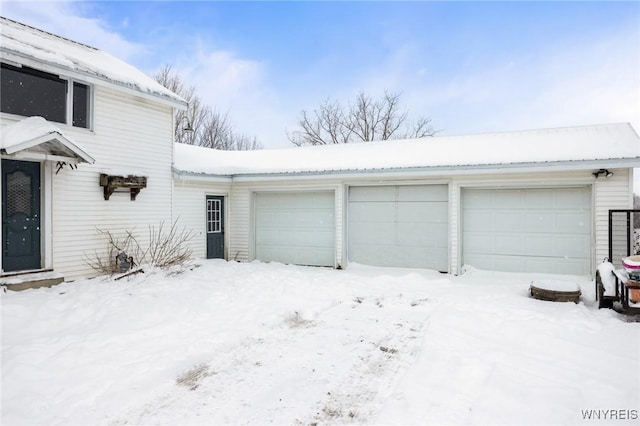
<point x="106" y="262"/>
<point x="169" y="248"/>
<point x="166" y="248"/>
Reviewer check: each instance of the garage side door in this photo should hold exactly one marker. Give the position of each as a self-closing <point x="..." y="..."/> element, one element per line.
<point x="399" y="226"/>
<point x="528" y="230"/>
<point x="296" y="228"/>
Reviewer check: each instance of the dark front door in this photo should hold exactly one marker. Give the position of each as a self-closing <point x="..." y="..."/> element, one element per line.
<point x="20" y="215"/>
<point x="215" y="227"/>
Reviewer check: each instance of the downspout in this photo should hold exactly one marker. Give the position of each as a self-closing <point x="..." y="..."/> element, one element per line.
<point x="174" y="111"/>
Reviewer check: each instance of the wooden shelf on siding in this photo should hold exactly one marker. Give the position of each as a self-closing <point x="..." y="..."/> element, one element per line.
<point x="111" y="183"/>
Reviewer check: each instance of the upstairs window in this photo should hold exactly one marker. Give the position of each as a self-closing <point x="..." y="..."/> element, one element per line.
<point x="80" y="105"/>
<point x="28" y="92"/>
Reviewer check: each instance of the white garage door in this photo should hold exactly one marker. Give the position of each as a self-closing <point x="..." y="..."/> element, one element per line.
<point x="296" y="227"/>
<point x="400" y="226"/>
<point x="527" y="230"/>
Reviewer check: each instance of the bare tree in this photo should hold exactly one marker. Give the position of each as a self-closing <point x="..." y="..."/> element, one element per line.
<point x="243" y="142"/>
<point x="366" y="119"/>
<point x="328" y="125"/>
<point x="200" y="124"/>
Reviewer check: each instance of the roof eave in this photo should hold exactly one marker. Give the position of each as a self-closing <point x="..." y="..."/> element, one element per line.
<point x="437" y="171"/>
<point x="80" y="154"/>
<point x="21" y="59"/>
<point x="187" y="176"/>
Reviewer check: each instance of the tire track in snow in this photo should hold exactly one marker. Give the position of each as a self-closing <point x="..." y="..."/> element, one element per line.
<point x="290" y="374"/>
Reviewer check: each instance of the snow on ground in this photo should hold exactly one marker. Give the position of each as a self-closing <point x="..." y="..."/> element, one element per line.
<point x="236" y="343"/>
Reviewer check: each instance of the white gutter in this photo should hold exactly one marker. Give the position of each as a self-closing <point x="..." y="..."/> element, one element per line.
<point x="590" y="165"/>
<point x="182" y="176"/>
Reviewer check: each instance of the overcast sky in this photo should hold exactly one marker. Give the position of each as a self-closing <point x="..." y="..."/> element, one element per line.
<point x="471" y="66"/>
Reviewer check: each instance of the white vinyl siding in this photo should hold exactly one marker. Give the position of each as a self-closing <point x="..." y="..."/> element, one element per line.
<point x="189" y="210"/>
<point x="239" y="221"/>
<point x="528" y="230"/>
<point x="295" y="227"/>
<point x="399" y="226"/>
<point x="130" y="135"/>
<point x="612" y="193"/>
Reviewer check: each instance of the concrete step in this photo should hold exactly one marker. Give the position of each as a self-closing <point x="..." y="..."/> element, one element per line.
<point x="30" y="280"/>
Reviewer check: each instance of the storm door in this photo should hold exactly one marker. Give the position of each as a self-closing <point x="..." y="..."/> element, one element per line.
<point x="215" y="227"/>
<point x="20" y="215"/>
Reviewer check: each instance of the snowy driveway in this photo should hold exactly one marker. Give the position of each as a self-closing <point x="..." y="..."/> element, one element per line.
<point x="232" y="343"/>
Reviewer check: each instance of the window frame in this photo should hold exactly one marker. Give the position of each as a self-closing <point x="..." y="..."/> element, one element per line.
<point x="214" y="216"/>
<point x="69" y="96"/>
<point x="89" y="106"/>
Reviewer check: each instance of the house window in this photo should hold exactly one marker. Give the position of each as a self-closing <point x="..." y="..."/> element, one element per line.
<point x="28" y="92"/>
<point x="80" y="105"/>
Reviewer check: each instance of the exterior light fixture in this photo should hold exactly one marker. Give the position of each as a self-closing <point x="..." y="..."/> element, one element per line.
<point x="187" y="128"/>
<point x="604" y="172"/>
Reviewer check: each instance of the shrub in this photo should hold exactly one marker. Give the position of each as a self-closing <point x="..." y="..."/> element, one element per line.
<point x="166" y="248"/>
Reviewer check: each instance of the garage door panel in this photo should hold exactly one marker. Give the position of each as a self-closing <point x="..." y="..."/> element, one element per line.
<point x="506" y="221"/>
<point x="496" y="262"/>
<point x="527" y="264"/>
<point x="478" y="220"/>
<point x="272" y="200"/>
<point x="508" y="199"/>
<point x="297" y="228"/>
<point x="476" y="201"/>
<point x="509" y="244"/>
<point x="401" y="226"/>
<point x="540" y="245"/>
<point x="408" y="257"/>
<point x="573" y="246"/>
<point x="372" y="232"/>
<point x="273" y="219"/>
<point x="573" y="223"/>
<point x="315" y="256"/>
<point x="531" y="230"/>
<point x="267" y="237"/>
<point x="570" y="199"/>
<point x="437" y="193"/>
<point x="285" y="237"/>
<point x="535" y="198"/>
<point x="476" y="242"/>
<point x="311" y="238"/>
<point x="371" y="211"/>
<point x="399" y="257"/>
<point x="323" y="201"/>
<point x="422" y="234"/>
<point x="312" y="219"/>
<point x="539" y="222"/>
<point x="372" y="193"/>
<point x="572" y="267"/>
<point x="424" y="212"/>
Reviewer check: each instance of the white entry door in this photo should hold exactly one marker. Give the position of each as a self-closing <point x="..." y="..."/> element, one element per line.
<point x="527" y="230"/>
<point x="295" y="227"/>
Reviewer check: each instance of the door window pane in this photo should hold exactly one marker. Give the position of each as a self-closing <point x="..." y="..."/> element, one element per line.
<point x="214" y="224"/>
<point x="18" y="193"/>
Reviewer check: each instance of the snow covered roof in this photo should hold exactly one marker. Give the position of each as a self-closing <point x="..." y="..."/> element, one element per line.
<point x="35" y="135"/>
<point x="20" y="42"/>
<point x="571" y="144"/>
